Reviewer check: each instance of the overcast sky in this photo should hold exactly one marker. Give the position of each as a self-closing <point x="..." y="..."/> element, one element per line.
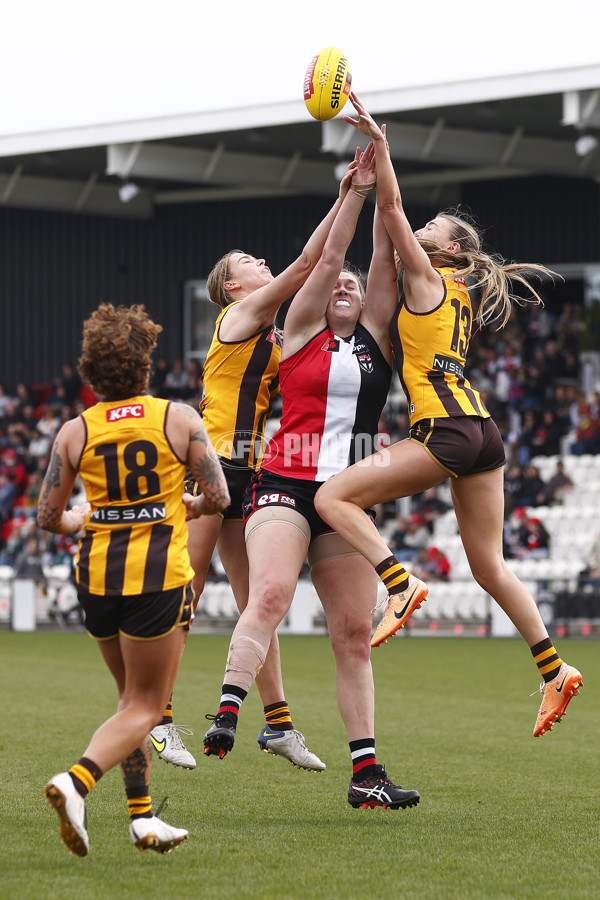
<point x="75" y="62"/>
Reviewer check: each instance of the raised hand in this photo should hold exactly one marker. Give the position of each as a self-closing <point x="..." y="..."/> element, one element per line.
<point x="365" y="124"/>
<point x="365" y="171"/>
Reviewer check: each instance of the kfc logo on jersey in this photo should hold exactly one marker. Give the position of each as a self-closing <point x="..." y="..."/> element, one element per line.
<point x="125" y="412"/>
<point x="332" y="345"/>
<point x="460" y="281"/>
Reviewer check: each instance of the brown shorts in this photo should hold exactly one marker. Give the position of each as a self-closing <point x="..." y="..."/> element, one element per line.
<point x="465" y="445"/>
<point x="237" y="478"/>
<point x="143" y="617"/>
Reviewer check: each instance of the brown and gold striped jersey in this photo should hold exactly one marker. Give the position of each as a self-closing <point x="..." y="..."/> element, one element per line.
<point x="430" y="351"/>
<point x="135" y="538"/>
<point x="240" y="379"/>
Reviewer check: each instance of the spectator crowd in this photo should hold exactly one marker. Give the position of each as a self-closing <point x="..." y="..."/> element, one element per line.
<point x="30" y="418"/>
<point x="528" y="375"/>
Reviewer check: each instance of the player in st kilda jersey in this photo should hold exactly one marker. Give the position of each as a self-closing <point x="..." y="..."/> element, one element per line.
<point x="134" y="575"/>
<point x="451" y="432"/>
<point x="334" y="374"/>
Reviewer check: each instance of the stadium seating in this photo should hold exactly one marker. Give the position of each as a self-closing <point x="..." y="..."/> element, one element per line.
<point x="574" y="527"/>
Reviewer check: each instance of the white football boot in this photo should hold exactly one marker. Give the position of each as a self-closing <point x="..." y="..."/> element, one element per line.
<point x="291" y="745"/>
<point x="154" y="834"/>
<point x="62" y="795"/>
<point x="166" y="741"/>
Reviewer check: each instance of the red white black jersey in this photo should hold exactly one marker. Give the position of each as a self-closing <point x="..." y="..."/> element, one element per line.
<point x="333" y="391"/>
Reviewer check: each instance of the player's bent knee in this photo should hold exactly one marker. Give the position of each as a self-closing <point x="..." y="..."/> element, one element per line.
<point x="322" y="500"/>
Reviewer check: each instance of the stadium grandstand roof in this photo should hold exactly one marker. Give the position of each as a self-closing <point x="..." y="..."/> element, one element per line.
<point x="441" y="136"/>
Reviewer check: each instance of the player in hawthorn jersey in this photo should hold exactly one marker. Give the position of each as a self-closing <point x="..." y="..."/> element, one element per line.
<point x="451" y="432"/>
<point x="131" y="451"/>
<point x="240" y="379"/>
<point x="335" y="374"/>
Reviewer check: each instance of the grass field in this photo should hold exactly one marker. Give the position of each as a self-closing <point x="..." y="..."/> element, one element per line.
<point x="502" y="815"/>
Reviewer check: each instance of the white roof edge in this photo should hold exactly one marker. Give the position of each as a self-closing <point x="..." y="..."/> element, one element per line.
<point x="154" y="128"/>
<point x="288" y="112"/>
<point x="498" y="87"/>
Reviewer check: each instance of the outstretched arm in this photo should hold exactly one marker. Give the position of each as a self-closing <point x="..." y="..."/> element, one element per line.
<point x="259" y="308"/>
<point x="306" y="315"/>
<point x="382" y="285"/>
<point x="415" y="261"/>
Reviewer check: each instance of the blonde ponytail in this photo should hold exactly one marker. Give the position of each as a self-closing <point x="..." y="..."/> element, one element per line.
<point x="493" y="276"/>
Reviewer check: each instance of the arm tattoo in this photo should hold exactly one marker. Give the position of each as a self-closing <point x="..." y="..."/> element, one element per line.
<point x="199" y="437"/>
<point x="54" y="469"/>
<point x="208" y="474"/>
<point x="50" y="517"/>
<point x="188" y="410"/>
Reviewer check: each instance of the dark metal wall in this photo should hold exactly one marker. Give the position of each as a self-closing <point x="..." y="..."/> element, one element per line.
<point x="546" y="220"/>
<point x="55" y="267"/>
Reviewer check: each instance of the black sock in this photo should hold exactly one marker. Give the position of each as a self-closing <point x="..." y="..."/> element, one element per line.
<point x="364" y="761"/>
<point x="232" y="698"/>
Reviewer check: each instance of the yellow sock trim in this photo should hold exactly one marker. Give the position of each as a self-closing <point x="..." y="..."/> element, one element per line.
<point x="553" y="665"/>
<point x="84" y="775"/>
<point x="396" y="581"/>
<point x="139" y="806"/>
<point x="544" y="655"/>
<point x="393" y="570"/>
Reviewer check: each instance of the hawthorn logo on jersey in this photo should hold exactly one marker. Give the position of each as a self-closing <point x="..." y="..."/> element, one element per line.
<point x="332" y="345"/>
<point x="275" y="337"/>
<point x="275" y="498"/>
<point x="125" y="412"/>
<point x="449" y="365"/>
<point x="145" y="512"/>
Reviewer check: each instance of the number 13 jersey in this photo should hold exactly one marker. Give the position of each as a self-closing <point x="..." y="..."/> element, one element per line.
<point x="135" y="538"/>
<point x="430" y="351"/>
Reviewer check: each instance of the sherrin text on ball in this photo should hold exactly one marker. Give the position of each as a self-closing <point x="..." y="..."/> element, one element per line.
<point x="327" y="83"/>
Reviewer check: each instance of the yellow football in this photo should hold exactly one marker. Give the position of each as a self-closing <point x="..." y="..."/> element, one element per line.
<point x="327" y="83"/>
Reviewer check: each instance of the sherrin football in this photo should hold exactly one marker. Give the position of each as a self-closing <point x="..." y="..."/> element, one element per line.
<point x="327" y="83"/>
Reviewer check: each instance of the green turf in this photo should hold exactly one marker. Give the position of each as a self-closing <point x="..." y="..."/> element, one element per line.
<point x="502" y="815"/>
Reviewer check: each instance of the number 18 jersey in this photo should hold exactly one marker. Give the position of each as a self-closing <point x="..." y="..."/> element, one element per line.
<point x="430" y="351"/>
<point x="135" y="538"/>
